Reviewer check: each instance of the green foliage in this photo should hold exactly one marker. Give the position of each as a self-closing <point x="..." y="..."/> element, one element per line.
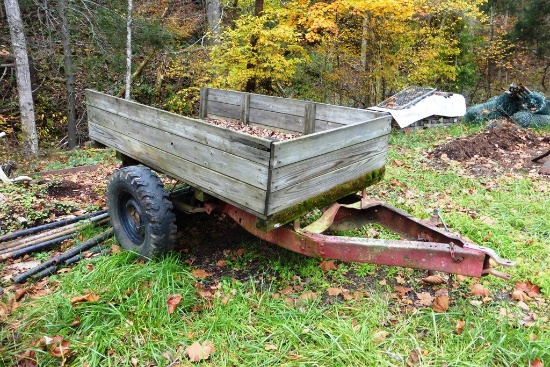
<point x="273" y="60"/>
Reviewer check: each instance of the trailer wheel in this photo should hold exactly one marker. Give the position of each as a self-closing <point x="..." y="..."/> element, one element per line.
<point x="141" y="213"/>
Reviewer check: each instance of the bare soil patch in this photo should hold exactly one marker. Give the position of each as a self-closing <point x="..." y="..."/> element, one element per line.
<point x="501" y="147"/>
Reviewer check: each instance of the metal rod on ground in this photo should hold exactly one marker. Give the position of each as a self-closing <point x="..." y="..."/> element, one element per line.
<point x="28" y="231"/>
<point x="25" y="242"/>
<point x="39" y="246"/>
<point x="66" y="255"/>
<point x="52" y="269"/>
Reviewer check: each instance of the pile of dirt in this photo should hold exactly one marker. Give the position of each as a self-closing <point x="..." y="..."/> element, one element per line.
<point x="506" y="144"/>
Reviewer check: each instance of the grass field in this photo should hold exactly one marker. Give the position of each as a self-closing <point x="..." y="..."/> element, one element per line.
<point x="254" y="304"/>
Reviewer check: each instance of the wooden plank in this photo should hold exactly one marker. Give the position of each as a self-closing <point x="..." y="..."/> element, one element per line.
<point x="309" y="119"/>
<point x="223" y="110"/>
<point x="214" y="183"/>
<point x="203" y="103"/>
<point x="245" y="108"/>
<point x="285" y="198"/>
<point x="225" y="96"/>
<point x="304" y="147"/>
<point x="343" y="115"/>
<point x="217" y="160"/>
<point x="295" y="173"/>
<point x="243" y="145"/>
<point x="276" y="120"/>
<point x="281" y="105"/>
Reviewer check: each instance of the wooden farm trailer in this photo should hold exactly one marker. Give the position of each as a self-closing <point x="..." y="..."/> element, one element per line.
<point x="264" y="184"/>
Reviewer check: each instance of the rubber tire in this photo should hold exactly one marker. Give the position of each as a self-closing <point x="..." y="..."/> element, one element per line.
<point x="141" y="213"/>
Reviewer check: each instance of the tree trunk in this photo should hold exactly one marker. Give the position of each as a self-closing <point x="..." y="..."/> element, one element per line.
<point x="251" y="83"/>
<point x="69" y="73"/>
<point x="213" y="15"/>
<point x="24" y="88"/>
<point x="129" y="50"/>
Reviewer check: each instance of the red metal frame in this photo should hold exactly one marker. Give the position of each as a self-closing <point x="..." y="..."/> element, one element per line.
<point x="426" y="246"/>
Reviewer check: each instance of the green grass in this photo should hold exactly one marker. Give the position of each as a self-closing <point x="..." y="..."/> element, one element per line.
<point x="251" y="324"/>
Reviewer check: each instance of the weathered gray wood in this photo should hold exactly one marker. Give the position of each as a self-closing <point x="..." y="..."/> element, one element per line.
<point x="291" y="151"/>
<point x="309" y="119"/>
<point x="225" y="96"/>
<point x="217" y="160"/>
<point x="276" y="120"/>
<point x="295" y="173"/>
<point x="245" y="108"/>
<point x="343" y="115"/>
<point x="203" y="107"/>
<point x="240" y="144"/>
<point x="284" y="198"/>
<point x="223" y="110"/>
<point x="226" y="188"/>
<point x="281" y="105"/>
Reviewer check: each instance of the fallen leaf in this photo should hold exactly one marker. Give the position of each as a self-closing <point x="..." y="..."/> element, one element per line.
<point x="308" y="295"/>
<point x="441" y="303"/>
<point x="135" y="362"/>
<point x="536" y="363"/>
<point x="200" y="273"/>
<point x="167" y="356"/>
<point x="334" y="291"/>
<point x="479" y="290"/>
<point x="76" y="321"/>
<point x="190" y="335"/>
<point x="425" y="299"/>
<point x="520" y="295"/>
<point x="434" y="279"/>
<point x="402" y="291"/>
<point x="63" y="270"/>
<point x="173" y="301"/>
<point x="90" y="297"/>
<point x="59" y="348"/>
<point x="529" y="288"/>
<point x="20" y="293"/>
<point x="90" y="266"/>
<point x="522" y="305"/>
<point x="240" y="251"/>
<point x="197" y="351"/>
<point x="383" y="282"/>
<point x="415" y="359"/>
<point x="270" y="347"/>
<point x="27" y="359"/>
<point x="327" y="265"/>
<point x="380" y="336"/>
<point x="115" y="249"/>
<point x="400" y="280"/>
<point x="221" y="263"/>
<point x="287" y="290"/>
<point x="476" y="303"/>
<point x="460" y="326"/>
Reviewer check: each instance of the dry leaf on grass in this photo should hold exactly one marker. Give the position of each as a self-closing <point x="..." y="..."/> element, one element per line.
<point x="425" y="299"/>
<point x="536" y="363"/>
<point x="90" y="297"/>
<point x="529" y="288"/>
<point x="200" y="273"/>
<point x="270" y="347"/>
<point x="520" y="295"/>
<point x="115" y="249"/>
<point x="173" y="301"/>
<point x="221" y="263"/>
<point x="20" y="293"/>
<point x="460" y="326"/>
<point x="59" y="347"/>
<point x="441" y="304"/>
<point x="479" y="290"/>
<point x="434" y="279"/>
<point x="335" y="291"/>
<point x="327" y="265"/>
<point x="380" y="336"/>
<point x="308" y="295"/>
<point x="135" y="362"/>
<point x="197" y="351"/>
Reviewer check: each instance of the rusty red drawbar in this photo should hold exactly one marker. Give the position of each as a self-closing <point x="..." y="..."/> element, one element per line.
<point x="425" y="246"/>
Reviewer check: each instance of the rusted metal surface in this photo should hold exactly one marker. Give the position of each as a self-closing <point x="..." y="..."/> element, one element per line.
<point x="425" y="246"/>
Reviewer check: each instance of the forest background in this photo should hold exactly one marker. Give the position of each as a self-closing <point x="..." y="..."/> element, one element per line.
<point x="345" y="52"/>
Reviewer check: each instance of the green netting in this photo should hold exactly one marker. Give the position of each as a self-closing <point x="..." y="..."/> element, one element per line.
<point x="527" y="110"/>
<point x="533" y="102"/>
<point x="507" y="105"/>
<point x="528" y="119"/>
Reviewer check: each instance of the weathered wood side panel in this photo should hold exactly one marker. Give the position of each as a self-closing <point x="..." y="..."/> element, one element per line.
<point x="226" y="188"/>
<point x="243" y="145"/>
<point x="343" y="115"/>
<point x="302" y="148"/>
<point x="214" y="159"/>
<point x="229" y="165"/>
<point x="291" y="174"/>
<point x="282" y="199"/>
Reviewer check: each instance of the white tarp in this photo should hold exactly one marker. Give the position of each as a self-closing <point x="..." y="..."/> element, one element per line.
<point x="438" y="104"/>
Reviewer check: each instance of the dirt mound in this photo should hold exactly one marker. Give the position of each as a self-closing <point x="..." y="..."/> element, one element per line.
<point x="504" y="143"/>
